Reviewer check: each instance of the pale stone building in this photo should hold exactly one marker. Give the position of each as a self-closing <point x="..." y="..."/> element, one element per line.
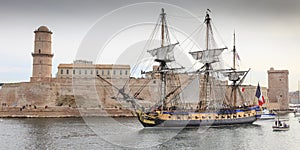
<point x="86" y="69"/>
<point x="42" y="55"/>
<point x="278" y="92"/>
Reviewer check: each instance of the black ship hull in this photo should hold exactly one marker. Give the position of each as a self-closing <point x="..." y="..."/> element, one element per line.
<point x="197" y="123"/>
<point x="196" y="119"/>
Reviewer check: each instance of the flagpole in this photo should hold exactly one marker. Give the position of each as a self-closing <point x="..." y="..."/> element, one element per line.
<point x="258" y="94"/>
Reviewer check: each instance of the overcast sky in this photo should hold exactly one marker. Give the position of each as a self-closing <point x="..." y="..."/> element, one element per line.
<point x="267" y="30"/>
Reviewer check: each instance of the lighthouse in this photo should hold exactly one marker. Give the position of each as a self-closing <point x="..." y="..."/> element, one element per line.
<point x="42" y="55"/>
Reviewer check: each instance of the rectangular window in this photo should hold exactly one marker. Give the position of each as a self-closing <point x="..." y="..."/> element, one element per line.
<point x="102" y="72"/>
<point x="120" y="72"/>
<point x="73" y="71"/>
<point x="97" y="72"/>
<point x="79" y="71"/>
<point x="67" y="71"/>
<point x="126" y="73"/>
<point x="91" y="71"/>
<point x="114" y="72"/>
<point x="61" y="71"/>
<point x="108" y="72"/>
<point x="85" y="72"/>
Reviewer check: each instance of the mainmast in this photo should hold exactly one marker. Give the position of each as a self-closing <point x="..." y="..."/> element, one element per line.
<point x="234" y="68"/>
<point x="207" y="22"/>
<point x="207" y="65"/>
<point x="234" y="51"/>
<point x="163" y="14"/>
<point x="208" y="56"/>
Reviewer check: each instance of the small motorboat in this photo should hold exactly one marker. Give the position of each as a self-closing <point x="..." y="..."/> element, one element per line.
<point x="280" y="126"/>
<point x="265" y="114"/>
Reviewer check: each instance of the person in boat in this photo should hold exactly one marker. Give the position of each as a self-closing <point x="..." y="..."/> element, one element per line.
<point x="280" y="124"/>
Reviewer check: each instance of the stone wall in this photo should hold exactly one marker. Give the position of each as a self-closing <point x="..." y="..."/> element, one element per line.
<point x="95" y="93"/>
<point x="30" y="93"/>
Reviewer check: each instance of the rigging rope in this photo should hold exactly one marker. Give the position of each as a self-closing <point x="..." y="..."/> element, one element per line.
<point x="186" y="17"/>
<point x="223" y="42"/>
<point x="135" y="67"/>
<point x="195" y="31"/>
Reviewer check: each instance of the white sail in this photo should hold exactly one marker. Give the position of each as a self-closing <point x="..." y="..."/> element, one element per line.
<point x="164" y="53"/>
<point x="208" y="56"/>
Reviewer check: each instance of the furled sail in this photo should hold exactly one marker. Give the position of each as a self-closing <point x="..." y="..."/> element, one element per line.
<point x="164" y="53"/>
<point x="235" y="75"/>
<point x="208" y="56"/>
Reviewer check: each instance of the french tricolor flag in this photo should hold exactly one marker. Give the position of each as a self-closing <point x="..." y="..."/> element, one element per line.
<point x="258" y="94"/>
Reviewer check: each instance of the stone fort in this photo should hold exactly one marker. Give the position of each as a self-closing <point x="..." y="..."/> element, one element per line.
<point x="76" y="84"/>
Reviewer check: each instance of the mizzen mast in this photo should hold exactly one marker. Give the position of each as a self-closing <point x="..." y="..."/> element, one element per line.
<point x="235" y="75"/>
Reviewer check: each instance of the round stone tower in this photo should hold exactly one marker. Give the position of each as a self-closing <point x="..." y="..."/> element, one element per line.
<point x="42" y="56"/>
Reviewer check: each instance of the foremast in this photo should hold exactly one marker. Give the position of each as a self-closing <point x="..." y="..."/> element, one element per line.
<point x="164" y="54"/>
<point x="162" y="62"/>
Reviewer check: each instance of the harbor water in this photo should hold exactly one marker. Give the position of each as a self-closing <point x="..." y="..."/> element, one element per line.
<point x="127" y="133"/>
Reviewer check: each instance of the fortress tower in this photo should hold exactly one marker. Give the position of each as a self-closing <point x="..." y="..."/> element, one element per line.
<point x="278" y="92"/>
<point x="42" y="56"/>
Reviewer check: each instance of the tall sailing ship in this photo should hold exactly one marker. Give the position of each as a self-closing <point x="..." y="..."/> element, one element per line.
<point x="212" y="109"/>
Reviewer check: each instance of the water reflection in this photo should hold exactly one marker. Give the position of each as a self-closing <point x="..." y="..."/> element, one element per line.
<point x="38" y="135"/>
<point x="75" y="133"/>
